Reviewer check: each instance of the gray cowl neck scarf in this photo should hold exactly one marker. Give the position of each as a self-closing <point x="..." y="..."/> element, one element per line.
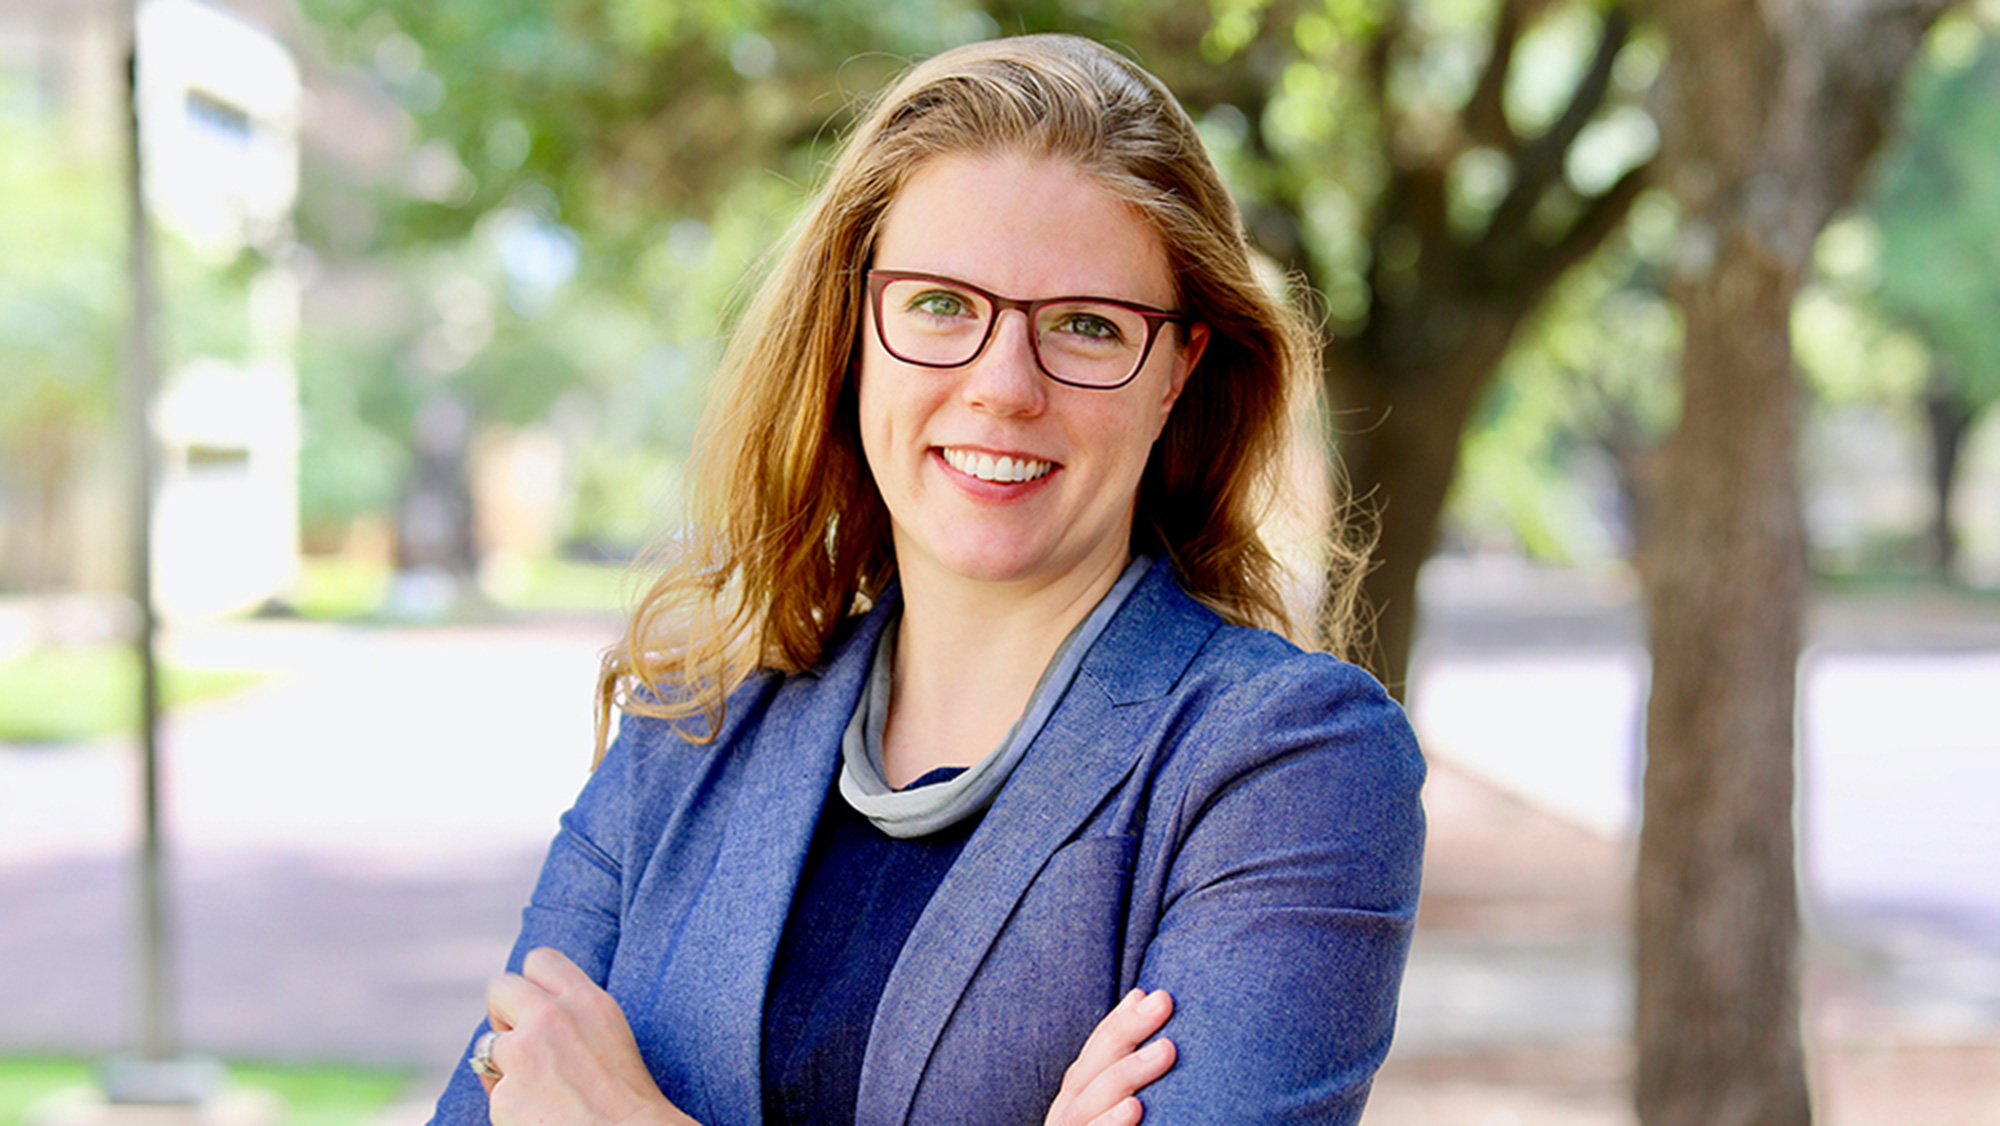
<point x="926" y="809"/>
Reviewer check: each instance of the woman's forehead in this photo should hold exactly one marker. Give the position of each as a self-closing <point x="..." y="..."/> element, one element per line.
<point x="1023" y="225"/>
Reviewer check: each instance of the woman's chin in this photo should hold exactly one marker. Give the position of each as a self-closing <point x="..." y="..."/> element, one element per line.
<point x="1009" y="566"/>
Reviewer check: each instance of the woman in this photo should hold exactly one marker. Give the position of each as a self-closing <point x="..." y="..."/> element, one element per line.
<point x="954" y="761"/>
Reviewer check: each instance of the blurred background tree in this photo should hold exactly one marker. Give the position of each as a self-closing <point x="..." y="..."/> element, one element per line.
<point x="59" y="316"/>
<point x="62" y="308"/>
<point x="1936" y="211"/>
<point x="1434" y="171"/>
<point x="1774" y="116"/>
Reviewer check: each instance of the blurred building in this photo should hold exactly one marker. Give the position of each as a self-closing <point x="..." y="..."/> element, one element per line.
<point x="219" y="103"/>
<point x="219" y="110"/>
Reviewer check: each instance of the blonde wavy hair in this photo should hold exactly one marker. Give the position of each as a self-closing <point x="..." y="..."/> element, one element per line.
<point x="787" y="536"/>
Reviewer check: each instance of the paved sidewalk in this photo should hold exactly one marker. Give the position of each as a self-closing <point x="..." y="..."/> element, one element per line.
<point x="1517" y="1000"/>
<point x="352" y="841"/>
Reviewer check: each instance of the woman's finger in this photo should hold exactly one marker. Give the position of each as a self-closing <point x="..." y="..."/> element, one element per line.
<point x="547" y="976"/>
<point x="1112" y="1066"/>
<point x="553" y="972"/>
<point x="1137" y="1016"/>
<point x="513" y="1000"/>
<point x="1116" y="1088"/>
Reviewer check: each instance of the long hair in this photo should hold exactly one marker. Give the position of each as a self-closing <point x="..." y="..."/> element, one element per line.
<point x="787" y="534"/>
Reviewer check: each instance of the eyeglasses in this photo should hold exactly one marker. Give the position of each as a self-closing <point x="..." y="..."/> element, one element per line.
<point x="940" y="322"/>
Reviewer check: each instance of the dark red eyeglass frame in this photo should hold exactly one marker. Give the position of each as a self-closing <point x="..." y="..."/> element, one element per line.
<point x="878" y="281"/>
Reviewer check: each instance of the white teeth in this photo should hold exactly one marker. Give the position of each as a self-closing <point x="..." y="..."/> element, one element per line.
<point x="987" y="468"/>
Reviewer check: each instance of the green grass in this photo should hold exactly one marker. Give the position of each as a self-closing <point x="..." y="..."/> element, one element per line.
<point x="567" y="584"/>
<point x="23" y="1081"/>
<point x="313" y="1096"/>
<point x="72" y="693"/>
<point x="332" y="588"/>
<point x="336" y="589"/>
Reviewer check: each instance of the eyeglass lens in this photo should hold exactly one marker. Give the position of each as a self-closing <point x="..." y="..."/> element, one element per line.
<point x="1094" y="343"/>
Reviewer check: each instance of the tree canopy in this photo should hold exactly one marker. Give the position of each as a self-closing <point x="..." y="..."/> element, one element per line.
<point x="1937" y="211"/>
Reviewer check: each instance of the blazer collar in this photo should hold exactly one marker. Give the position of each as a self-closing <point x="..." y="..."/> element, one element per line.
<point x="1081" y="756"/>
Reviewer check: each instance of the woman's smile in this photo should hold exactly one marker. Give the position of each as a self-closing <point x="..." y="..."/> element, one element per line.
<point x="1006" y="469"/>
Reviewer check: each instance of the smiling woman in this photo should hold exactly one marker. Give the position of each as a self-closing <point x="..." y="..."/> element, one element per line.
<point x="962" y="771"/>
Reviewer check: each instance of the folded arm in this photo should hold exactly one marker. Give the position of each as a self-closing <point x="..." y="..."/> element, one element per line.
<point x="1290" y="902"/>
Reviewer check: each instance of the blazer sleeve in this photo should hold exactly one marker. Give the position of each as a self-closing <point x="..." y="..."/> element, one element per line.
<point x="1290" y="898"/>
<point x="575" y="907"/>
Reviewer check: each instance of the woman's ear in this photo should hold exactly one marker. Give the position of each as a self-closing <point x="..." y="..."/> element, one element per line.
<point x="1186" y="355"/>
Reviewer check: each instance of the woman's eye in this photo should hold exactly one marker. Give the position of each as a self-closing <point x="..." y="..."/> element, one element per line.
<point x="941" y="303"/>
<point x="1088" y="326"/>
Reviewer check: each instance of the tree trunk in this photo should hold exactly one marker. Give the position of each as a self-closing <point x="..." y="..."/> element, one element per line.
<point x="1400" y="421"/>
<point x="1718" y="930"/>
<point x="437" y="552"/>
<point x="1949" y="420"/>
<point x="1776" y="109"/>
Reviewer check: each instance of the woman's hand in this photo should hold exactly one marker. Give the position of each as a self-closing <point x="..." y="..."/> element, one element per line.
<point x="1101" y="1088"/>
<point x="563" y="1052"/>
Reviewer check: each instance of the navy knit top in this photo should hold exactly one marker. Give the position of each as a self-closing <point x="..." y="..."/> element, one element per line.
<point x="858" y="896"/>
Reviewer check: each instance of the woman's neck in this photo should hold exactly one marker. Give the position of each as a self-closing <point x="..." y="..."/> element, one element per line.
<point x="968" y="656"/>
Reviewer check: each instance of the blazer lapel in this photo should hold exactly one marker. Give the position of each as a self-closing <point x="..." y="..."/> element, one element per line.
<point x="1081" y="755"/>
<point x="787" y="770"/>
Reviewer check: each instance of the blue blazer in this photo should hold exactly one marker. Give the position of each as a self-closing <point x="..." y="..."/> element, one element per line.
<point x="1207" y="810"/>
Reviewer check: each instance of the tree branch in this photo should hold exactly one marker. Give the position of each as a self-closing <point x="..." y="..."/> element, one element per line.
<point x="1539" y="164"/>
<point x="1485" y="114"/>
<point x="1866" y="52"/>
<point x="1604" y="214"/>
<point x="1379" y="57"/>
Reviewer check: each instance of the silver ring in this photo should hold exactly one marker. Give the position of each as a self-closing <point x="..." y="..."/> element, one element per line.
<point x="481" y="1062"/>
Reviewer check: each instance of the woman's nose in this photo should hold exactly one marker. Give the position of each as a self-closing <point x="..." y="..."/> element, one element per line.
<point x="1005" y="378"/>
